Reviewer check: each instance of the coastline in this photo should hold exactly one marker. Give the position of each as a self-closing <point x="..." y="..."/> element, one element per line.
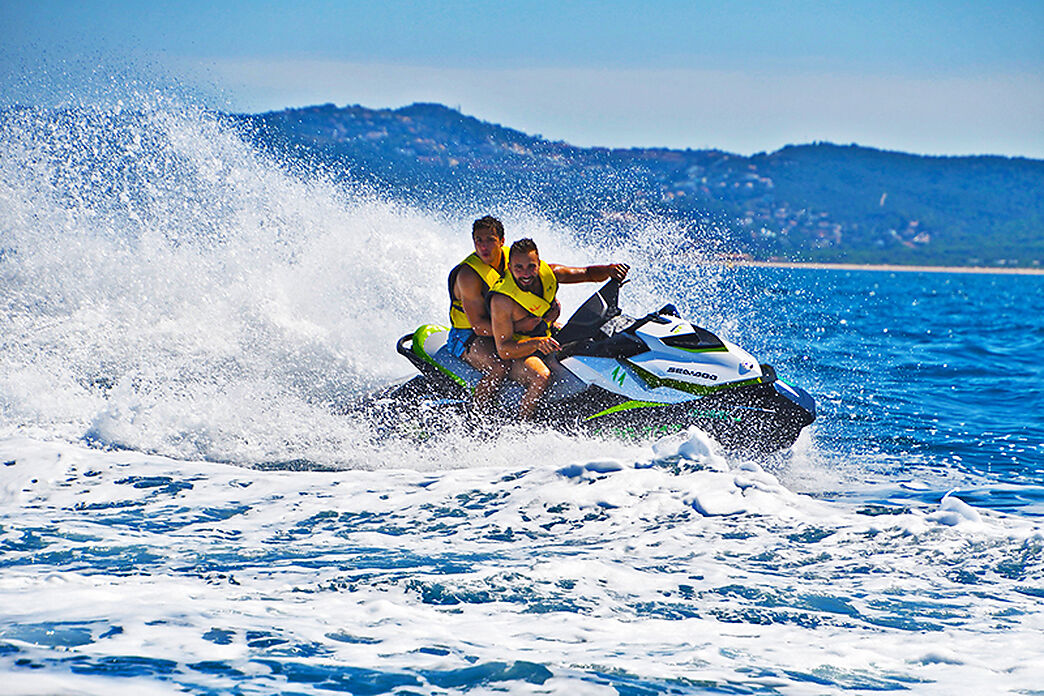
<point x="997" y="270"/>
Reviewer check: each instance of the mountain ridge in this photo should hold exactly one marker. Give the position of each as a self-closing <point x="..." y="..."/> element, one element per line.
<point x="804" y="202"/>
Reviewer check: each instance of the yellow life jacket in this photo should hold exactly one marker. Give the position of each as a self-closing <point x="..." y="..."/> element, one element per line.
<point x="537" y="305"/>
<point x="489" y="276"/>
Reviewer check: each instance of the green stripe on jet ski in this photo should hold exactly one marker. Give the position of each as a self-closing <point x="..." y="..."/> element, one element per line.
<point x="625" y="406"/>
<point x="421" y="335"/>
<point x="653" y="381"/>
<point x="718" y="349"/>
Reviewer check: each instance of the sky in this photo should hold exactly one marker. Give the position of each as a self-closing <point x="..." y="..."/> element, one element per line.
<point x="942" y="77"/>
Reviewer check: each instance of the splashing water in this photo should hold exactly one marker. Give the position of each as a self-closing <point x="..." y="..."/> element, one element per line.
<point x="168" y="289"/>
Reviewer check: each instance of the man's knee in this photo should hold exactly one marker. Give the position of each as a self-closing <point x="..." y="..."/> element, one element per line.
<point x="540" y="381"/>
<point x="539" y="374"/>
<point x="498" y="369"/>
<point x="480" y="357"/>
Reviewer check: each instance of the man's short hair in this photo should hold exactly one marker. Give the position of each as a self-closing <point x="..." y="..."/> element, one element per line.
<point x="489" y="223"/>
<point x="523" y="246"/>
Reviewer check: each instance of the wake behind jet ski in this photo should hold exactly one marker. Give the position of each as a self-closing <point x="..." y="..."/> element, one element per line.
<point x="622" y="376"/>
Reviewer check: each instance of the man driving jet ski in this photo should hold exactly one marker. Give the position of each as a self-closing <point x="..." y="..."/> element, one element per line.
<point x="527" y="292"/>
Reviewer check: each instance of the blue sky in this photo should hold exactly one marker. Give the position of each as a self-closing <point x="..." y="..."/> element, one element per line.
<point x="929" y="77"/>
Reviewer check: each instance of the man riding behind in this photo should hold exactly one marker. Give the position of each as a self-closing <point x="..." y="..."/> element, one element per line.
<point x="470" y="337"/>
<point x="523" y="307"/>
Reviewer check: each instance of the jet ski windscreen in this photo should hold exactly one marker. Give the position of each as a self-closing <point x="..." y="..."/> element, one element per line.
<point x="598" y="309"/>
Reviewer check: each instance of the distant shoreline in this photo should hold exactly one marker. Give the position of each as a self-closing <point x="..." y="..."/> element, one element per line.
<point x="999" y="270"/>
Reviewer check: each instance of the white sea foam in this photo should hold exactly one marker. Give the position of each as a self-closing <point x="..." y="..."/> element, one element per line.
<point x="953" y="511"/>
<point x="581" y="565"/>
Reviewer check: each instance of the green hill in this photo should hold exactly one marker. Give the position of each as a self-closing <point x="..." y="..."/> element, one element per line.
<point x="819" y="202"/>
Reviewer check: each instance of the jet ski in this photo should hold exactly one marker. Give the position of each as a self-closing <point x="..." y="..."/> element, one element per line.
<point x="622" y="376"/>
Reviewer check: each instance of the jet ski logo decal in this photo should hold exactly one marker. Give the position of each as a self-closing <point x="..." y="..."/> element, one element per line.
<point x="618" y="375"/>
<point x="693" y="373"/>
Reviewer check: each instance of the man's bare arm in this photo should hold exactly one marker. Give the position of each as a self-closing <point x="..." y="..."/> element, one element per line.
<point x="508" y="347"/>
<point x="590" y="274"/>
<point x="528" y="323"/>
<point x="469" y="289"/>
<point x="551" y="316"/>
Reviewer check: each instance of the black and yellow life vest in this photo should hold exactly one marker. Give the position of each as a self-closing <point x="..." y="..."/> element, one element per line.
<point x="489" y="276"/>
<point x="537" y="305"/>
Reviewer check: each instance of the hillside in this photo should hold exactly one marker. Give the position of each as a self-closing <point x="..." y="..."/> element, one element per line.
<point x="818" y="202"/>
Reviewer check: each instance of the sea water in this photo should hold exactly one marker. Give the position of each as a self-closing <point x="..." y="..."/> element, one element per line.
<point x="183" y="509"/>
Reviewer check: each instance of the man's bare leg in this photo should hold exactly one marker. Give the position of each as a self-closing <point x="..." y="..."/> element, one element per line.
<point x="482" y="355"/>
<point x="534" y="374"/>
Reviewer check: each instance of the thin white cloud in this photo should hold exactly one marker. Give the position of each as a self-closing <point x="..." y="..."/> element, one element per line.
<point x="737" y="111"/>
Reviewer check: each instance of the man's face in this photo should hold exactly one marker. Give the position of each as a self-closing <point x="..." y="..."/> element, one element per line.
<point x="487" y="244"/>
<point x="526" y="269"/>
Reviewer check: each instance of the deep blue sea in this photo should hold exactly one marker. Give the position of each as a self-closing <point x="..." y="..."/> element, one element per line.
<point x="182" y="509"/>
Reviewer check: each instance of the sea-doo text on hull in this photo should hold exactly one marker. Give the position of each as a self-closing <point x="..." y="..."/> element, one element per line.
<point x="629" y="377"/>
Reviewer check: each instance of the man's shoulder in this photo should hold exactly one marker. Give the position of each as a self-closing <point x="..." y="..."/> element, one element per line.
<point x="559" y="270"/>
<point x="502" y="300"/>
<point x="468" y="278"/>
<point x="504" y="303"/>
